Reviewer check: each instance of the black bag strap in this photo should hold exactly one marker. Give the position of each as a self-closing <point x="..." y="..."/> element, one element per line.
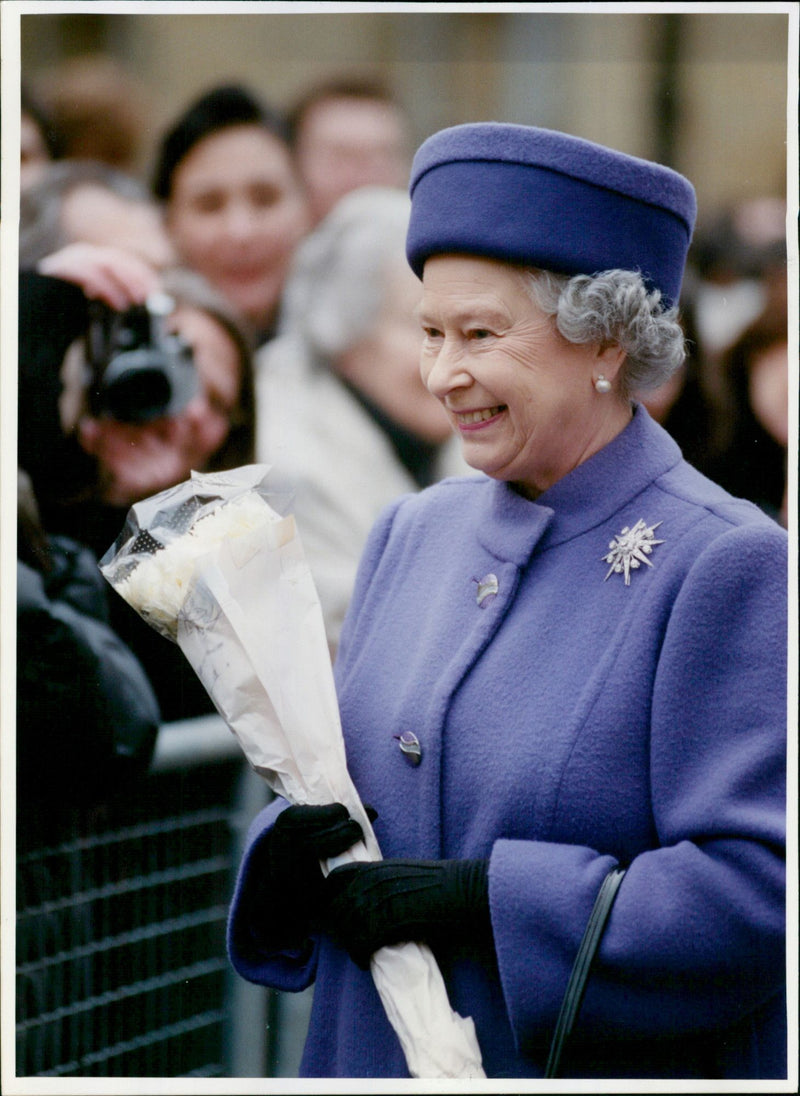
<point x="576" y="987"/>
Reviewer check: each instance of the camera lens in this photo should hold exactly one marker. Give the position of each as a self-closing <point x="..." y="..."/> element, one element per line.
<point x="140" y="372"/>
<point x="136" y="387"/>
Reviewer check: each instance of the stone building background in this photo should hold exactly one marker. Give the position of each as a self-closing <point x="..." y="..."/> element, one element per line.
<point x="704" y="91"/>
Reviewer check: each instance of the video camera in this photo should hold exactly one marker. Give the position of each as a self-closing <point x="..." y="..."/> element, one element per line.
<point x="138" y="370"/>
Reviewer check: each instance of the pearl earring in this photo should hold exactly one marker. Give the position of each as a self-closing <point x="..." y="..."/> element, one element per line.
<point x="602" y="385"/>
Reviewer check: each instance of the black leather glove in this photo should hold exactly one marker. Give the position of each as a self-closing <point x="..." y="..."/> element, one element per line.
<point x="286" y="897"/>
<point x="443" y="903"/>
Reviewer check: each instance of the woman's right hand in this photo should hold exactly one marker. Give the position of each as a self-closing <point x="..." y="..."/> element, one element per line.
<point x="287" y="899"/>
<point x="110" y="274"/>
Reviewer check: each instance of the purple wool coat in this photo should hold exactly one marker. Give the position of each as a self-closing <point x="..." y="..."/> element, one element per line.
<point x="569" y="723"/>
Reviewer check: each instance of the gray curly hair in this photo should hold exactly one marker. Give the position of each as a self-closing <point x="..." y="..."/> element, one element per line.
<point x="614" y="306"/>
<point x="339" y="274"/>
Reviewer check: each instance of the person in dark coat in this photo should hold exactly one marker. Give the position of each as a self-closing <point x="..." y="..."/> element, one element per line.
<point x="572" y="666"/>
<point x="87" y="717"/>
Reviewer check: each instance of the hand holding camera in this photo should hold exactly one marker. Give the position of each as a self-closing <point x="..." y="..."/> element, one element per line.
<point x="137" y="376"/>
<point x="110" y="274"/>
<point x="138" y="371"/>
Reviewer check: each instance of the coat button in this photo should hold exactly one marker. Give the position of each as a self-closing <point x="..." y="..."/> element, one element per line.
<point x="410" y="747"/>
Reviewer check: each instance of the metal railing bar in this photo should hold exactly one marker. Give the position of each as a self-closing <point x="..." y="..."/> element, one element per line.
<point x="172" y="824"/>
<point x="173" y="1031"/>
<point x="134" y="989"/>
<point x="180" y="744"/>
<point x="127" y="886"/>
<point x="125" y="939"/>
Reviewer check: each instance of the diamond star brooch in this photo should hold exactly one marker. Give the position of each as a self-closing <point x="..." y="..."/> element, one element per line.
<point x="630" y="549"/>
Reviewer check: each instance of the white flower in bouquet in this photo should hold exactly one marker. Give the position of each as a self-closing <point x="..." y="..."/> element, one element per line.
<point x="159" y="584"/>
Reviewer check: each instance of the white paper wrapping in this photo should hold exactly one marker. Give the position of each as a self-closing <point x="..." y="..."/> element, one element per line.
<point x="211" y="565"/>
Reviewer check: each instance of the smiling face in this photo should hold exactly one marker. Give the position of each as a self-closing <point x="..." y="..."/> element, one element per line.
<point x="520" y="396"/>
<point x="236" y="214"/>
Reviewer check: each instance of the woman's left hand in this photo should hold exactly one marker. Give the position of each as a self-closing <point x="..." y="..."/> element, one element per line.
<point x="383" y="902"/>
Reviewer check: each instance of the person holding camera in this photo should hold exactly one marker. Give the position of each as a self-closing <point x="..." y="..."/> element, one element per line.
<point x="149" y="376"/>
<point x="135" y="380"/>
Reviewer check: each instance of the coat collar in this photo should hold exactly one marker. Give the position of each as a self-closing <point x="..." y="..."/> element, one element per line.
<point x="511" y="526"/>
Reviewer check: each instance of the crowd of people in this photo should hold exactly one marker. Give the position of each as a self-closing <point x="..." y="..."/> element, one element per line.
<point x="233" y="191"/>
<point x="267" y="248"/>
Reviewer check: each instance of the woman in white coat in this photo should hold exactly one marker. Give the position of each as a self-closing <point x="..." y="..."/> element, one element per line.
<point x="343" y="415"/>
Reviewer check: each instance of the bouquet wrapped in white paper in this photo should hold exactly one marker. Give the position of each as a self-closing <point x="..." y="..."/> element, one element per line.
<point x="211" y="565"/>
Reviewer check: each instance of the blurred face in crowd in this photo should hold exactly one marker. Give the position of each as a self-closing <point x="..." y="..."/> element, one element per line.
<point x="94" y="215"/>
<point x="137" y="460"/>
<point x="236" y="214"/>
<point x="519" y="395"/>
<point x="344" y="143"/>
<point x="34" y="156"/>
<point x="384" y="365"/>
<point x="768" y="388"/>
<point x="660" y="401"/>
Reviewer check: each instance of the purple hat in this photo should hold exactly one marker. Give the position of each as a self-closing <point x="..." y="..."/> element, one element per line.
<point x="541" y="198"/>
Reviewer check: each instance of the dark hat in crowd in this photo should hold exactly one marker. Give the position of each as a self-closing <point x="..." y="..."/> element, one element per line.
<point x="221" y="107"/>
<point x="540" y="198"/>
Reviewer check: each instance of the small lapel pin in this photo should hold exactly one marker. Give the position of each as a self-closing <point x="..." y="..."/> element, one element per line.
<point x="410" y="747"/>
<point x="487" y="590"/>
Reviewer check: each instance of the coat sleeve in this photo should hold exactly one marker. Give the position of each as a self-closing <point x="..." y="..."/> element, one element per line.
<point x="254" y="957"/>
<point x="695" y="941"/>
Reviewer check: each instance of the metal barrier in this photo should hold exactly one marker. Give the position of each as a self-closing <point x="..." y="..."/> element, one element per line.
<point x="121" y="964"/>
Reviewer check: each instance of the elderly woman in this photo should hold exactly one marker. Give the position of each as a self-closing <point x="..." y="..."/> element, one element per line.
<point x="572" y="665"/>
<point x="343" y="415"/>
